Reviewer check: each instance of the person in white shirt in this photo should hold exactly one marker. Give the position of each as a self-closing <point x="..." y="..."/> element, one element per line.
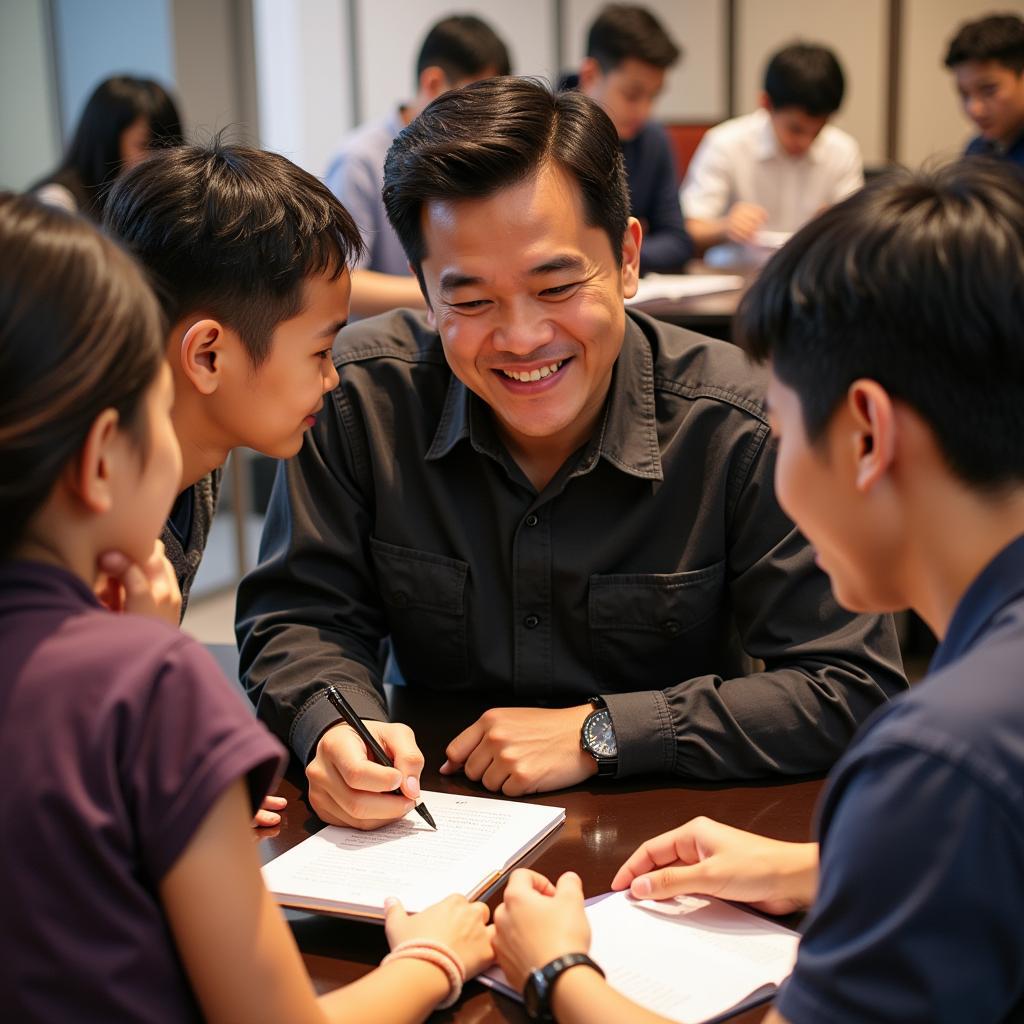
<point x="774" y="169"/>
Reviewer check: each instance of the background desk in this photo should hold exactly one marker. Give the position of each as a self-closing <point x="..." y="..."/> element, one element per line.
<point x="604" y="824"/>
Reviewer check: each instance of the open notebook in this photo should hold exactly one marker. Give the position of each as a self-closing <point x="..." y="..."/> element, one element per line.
<point x="345" y="871"/>
<point x="691" y="959"/>
<point x="683" y="286"/>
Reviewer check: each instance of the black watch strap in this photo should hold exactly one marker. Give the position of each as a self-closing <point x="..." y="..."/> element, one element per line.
<point x="539" y="984"/>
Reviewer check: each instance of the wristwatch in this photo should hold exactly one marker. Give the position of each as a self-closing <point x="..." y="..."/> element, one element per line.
<point x="597" y="738"/>
<point x="539" y="983"/>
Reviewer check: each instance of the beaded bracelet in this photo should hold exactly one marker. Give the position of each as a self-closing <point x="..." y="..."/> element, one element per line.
<point x="438" y="954"/>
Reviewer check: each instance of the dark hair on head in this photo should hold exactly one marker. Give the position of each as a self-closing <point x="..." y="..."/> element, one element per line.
<point x="463" y="46"/>
<point x="999" y="37"/>
<point x="916" y="282"/>
<point x="233" y="233"/>
<point x="93" y="159"/>
<point x="624" y="31"/>
<point x="805" y="76"/>
<point x="473" y="142"/>
<point x="80" y="332"/>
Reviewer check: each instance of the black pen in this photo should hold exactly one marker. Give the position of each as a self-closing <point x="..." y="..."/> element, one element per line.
<point x="349" y="714"/>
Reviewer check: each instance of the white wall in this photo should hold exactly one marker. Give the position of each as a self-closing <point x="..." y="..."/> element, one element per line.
<point x="857" y="32"/>
<point x="931" y="122"/>
<point x="29" y="135"/>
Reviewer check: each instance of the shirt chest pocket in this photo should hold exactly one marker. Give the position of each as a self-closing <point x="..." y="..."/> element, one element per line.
<point x="424" y="598"/>
<point x="654" y="629"/>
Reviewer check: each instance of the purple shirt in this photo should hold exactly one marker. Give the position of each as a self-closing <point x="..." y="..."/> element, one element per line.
<point x="117" y="735"/>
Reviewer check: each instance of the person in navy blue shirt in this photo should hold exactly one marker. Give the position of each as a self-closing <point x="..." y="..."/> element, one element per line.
<point x="987" y="61"/>
<point x="628" y="55"/>
<point x="891" y="324"/>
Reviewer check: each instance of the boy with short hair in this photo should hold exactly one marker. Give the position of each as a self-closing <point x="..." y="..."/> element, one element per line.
<point x="987" y="60"/>
<point x="628" y="56"/>
<point x="249" y="256"/>
<point x="776" y="168"/>
<point x="898" y="404"/>
<point x="457" y="50"/>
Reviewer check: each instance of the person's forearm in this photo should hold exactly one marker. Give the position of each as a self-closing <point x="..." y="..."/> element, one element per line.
<point x="400" y="992"/>
<point x="374" y="292"/>
<point x="582" y="996"/>
<point x="706" y="233"/>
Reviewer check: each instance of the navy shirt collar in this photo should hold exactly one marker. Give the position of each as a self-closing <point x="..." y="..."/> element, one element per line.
<point x="999" y="583"/>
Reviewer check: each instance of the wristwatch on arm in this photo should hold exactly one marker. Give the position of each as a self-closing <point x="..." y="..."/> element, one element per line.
<point x="597" y="738"/>
<point x="539" y="983"/>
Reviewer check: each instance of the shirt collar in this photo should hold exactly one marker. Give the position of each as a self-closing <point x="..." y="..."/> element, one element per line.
<point x="26" y="584"/>
<point x="999" y="583"/>
<point x="627" y="437"/>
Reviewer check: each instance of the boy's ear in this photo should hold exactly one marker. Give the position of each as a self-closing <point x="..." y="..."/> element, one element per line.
<point x="200" y="354"/>
<point x="764" y="102"/>
<point x="873" y="437"/>
<point x="433" y="82"/>
<point x="89" y="475"/>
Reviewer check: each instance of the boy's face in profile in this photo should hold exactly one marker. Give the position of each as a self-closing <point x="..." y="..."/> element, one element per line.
<point x="273" y="405"/>
<point x="993" y="98"/>
<point x="794" y="128"/>
<point x="815" y="485"/>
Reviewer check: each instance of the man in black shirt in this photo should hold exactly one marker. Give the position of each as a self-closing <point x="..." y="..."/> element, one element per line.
<point x="535" y="495"/>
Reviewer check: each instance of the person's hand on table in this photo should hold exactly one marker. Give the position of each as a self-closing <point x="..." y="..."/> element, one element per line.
<point x="269" y="813"/>
<point x="347" y="787"/>
<point x="149" y="588"/>
<point x="523" y="750"/>
<point x="743" y="221"/>
<point x="458" y="924"/>
<point x="537" y="922"/>
<point x="712" y="859"/>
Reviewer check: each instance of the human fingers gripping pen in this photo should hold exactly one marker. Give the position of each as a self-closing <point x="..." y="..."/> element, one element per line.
<point x="348" y="713"/>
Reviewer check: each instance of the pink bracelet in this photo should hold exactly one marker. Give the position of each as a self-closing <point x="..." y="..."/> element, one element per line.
<point x="438" y="954"/>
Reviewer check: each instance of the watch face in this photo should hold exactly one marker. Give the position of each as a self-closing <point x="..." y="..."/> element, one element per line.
<point x="599" y="735"/>
<point x="535" y="994"/>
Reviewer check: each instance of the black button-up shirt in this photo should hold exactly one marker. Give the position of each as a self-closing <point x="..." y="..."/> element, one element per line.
<point x="651" y="570"/>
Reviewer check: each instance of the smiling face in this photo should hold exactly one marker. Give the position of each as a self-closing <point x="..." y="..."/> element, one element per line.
<point x="270" y="408"/>
<point x="527" y="297"/>
<point x="993" y="98"/>
<point x="854" y="531"/>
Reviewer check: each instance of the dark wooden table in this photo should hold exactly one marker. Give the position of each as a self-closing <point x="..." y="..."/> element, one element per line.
<point x="604" y="824"/>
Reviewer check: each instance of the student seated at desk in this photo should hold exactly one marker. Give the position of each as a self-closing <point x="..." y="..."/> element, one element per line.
<point x="457" y="50"/>
<point x="629" y="53"/>
<point x="899" y="405"/>
<point x="987" y="61"/>
<point x="774" y="169"/>
<point x="130" y="766"/>
<point x="543" y="498"/>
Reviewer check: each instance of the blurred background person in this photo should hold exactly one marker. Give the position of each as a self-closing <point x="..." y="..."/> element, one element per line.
<point x="123" y="119"/>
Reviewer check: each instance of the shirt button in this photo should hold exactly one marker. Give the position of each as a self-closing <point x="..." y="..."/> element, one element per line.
<point x="531" y="621"/>
<point x="671" y="627"/>
<point x="399" y="598"/>
<point x="532" y="520"/>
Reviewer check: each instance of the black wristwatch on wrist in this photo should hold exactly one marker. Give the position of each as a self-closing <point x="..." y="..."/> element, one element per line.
<point x="597" y="738"/>
<point x="539" y="983"/>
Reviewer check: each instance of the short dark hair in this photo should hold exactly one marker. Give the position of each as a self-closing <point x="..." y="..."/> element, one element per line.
<point x="999" y="37"/>
<point x="917" y="282"/>
<point x="231" y="231"/>
<point x="80" y="332"/>
<point x="624" y="31"/>
<point x="463" y="46"/>
<point x="93" y="157"/>
<point x="806" y="76"/>
<point x="471" y="143"/>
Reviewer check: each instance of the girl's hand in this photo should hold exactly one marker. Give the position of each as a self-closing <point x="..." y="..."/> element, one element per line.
<point x="462" y="926"/>
<point x="149" y="589"/>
